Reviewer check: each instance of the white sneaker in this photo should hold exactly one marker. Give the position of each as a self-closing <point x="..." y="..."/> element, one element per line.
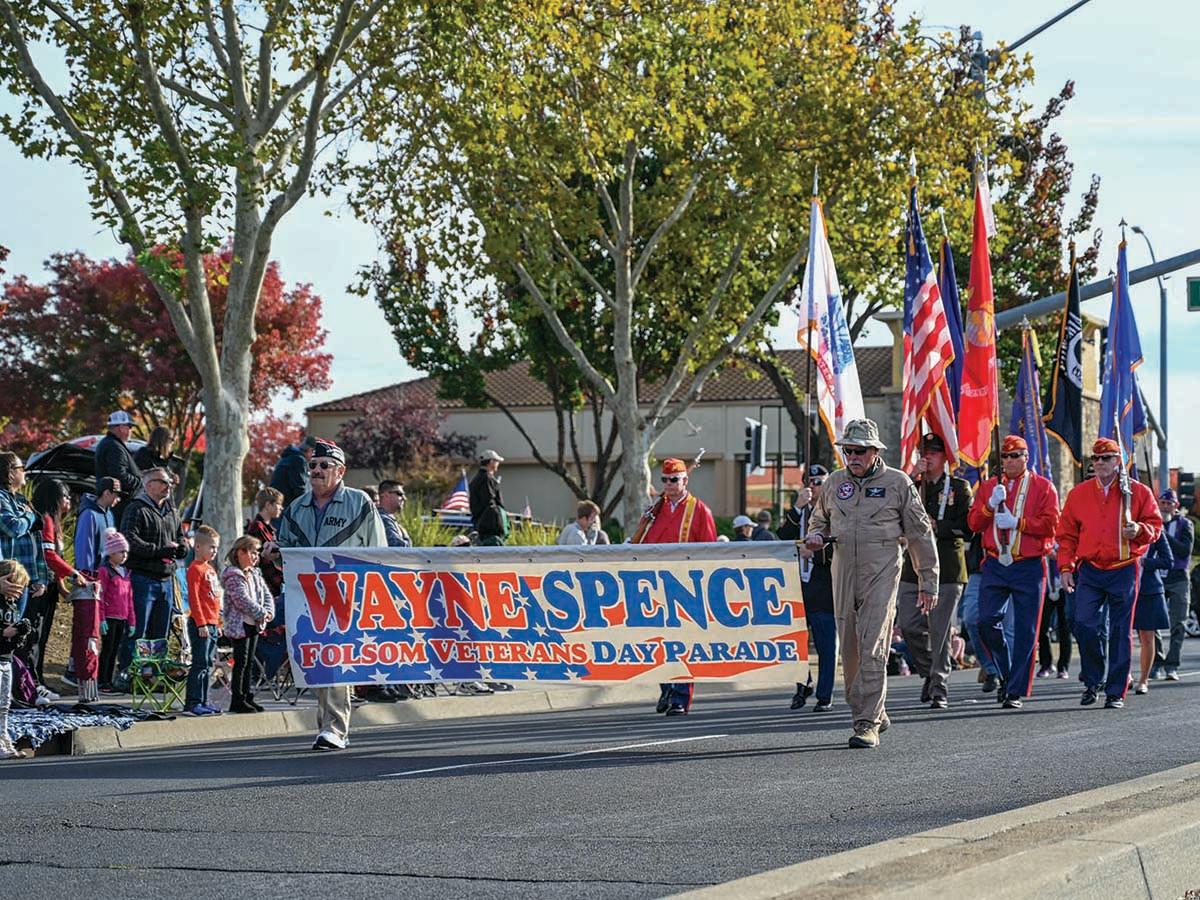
<point x="327" y="740"/>
<point x="1142" y="688"/>
<point x="43" y="691"/>
<point x="41" y="701"/>
<point x="1172" y="675"/>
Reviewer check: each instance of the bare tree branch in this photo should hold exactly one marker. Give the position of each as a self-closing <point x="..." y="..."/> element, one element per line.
<point x="266" y="49"/>
<point x="236" y="67"/>
<point x="210" y="103"/>
<point x="579" y="266"/>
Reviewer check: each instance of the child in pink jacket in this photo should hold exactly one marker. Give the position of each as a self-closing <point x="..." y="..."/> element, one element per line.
<point x="116" y="604"/>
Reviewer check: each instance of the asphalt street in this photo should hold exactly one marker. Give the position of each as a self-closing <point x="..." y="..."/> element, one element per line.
<point x="613" y="802"/>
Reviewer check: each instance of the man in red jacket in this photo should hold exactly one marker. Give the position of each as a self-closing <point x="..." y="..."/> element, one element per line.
<point x="1016" y="514"/>
<point x="1105" y="530"/>
<point x="677" y="517"/>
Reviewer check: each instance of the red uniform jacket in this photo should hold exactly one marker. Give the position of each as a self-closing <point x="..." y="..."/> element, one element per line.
<point x="668" y="524"/>
<point x="1090" y="528"/>
<point x="1038" y="519"/>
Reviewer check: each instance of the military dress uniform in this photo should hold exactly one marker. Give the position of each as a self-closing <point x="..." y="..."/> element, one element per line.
<point x="687" y="521"/>
<point x="867" y="516"/>
<point x="1014" y="570"/>
<point x="1107" y="568"/>
<point x="947" y="502"/>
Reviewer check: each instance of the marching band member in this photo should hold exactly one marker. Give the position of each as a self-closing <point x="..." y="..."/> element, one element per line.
<point x="1108" y="523"/>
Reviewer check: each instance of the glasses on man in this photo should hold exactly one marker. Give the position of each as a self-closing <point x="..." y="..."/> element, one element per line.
<point x="672" y="479"/>
<point x="856" y="451"/>
<point x="159" y="481"/>
<point x="1012" y="455"/>
<point x="816" y="482"/>
<point x="320" y="464"/>
<point x="1104" y="457"/>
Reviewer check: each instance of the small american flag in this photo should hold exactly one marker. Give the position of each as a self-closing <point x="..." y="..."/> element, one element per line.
<point x="460" y="497"/>
<point x="928" y="350"/>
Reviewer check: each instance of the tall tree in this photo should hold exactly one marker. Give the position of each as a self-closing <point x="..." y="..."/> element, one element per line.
<point x="652" y="162"/>
<point x="96" y="336"/>
<point x="196" y="124"/>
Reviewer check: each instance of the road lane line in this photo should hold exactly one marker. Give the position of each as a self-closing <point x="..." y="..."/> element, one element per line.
<point x="529" y="759"/>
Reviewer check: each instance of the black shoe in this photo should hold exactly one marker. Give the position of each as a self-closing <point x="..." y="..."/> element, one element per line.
<point x="938" y="703"/>
<point x="664" y="700"/>
<point x="499" y="686"/>
<point x="803" y="692"/>
<point x="823" y="706"/>
<point x="990" y="684"/>
<point x="1089" y="696"/>
<point x="254" y="704"/>
<point x="1114" y="703"/>
<point x="380" y="695"/>
<point x="1012" y="701"/>
<point x="1001" y="690"/>
<point x="239" y="705"/>
<point x="925" y="695"/>
<point x="676" y="709"/>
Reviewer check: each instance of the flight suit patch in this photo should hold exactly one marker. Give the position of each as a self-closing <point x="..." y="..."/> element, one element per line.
<point x="845" y="490"/>
<point x="876" y="492"/>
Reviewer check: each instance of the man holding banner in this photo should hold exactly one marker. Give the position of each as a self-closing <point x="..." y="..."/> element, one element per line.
<point x="1016" y="512"/>
<point x="677" y="516"/>
<point x="866" y="508"/>
<point x="329" y="514"/>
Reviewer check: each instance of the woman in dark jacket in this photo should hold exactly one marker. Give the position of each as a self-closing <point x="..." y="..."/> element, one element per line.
<point x="156" y="453"/>
<point x="1150" y="614"/>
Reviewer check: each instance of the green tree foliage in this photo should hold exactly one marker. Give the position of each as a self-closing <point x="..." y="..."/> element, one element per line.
<point x="642" y="172"/>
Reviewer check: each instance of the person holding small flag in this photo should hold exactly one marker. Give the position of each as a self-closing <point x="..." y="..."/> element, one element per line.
<point x="1017" y="513"/>
<point x="1107" y="525"/>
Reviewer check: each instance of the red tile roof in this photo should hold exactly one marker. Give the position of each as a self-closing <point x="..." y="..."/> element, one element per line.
<point x="735" y="383"/>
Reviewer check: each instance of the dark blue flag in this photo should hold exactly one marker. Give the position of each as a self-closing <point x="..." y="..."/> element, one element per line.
<point x="953" y="307"/>
<point x="1064" y="412"/>
<point x="1122" y="416"/>
<point x="1027" y="409"/>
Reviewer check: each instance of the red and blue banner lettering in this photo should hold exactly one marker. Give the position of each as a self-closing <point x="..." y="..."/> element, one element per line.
<point x="621" y="613"/>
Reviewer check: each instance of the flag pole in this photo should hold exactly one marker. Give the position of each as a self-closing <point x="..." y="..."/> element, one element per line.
<point x="808" y="359"/>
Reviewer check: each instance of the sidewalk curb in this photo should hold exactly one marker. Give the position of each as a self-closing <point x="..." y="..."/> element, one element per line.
<point x="185" y="730"/>
<point x="1064" y="848"/>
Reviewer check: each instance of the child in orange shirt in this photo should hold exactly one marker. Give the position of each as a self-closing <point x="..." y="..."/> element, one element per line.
<point x="204" y="598"/>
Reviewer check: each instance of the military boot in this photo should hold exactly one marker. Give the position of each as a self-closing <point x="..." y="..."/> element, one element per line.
<point x="866" y="736"/>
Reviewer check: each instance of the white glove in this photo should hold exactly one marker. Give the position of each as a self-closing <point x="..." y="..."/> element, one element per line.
<point x="1005" y="519"/>
<point x="999" y="495"/>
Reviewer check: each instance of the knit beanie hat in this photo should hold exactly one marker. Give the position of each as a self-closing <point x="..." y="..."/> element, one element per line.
<point x="114" y="542"/>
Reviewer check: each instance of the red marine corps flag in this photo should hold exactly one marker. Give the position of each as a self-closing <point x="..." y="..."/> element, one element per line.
<point x="979" y="408"/>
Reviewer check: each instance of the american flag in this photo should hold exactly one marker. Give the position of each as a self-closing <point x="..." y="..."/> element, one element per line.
<point x="460" y="498"/>
<point x="928" y="350"/>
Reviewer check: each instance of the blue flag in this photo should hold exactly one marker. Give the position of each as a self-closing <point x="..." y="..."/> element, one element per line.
<point x="953" y="307"/>
<point x="1027" y="409"/>
<point x="1122" y="416"/>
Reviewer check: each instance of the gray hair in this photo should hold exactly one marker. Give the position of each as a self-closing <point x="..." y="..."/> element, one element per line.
<point x="149" y="474"/>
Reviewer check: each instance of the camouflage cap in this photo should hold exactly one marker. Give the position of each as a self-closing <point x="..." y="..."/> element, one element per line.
<point x="861" y="433"/>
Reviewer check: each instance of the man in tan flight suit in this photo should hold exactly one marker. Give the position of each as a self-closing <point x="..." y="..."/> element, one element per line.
<point x="866" y="508"/>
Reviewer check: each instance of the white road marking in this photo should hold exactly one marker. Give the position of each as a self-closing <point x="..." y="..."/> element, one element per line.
<point x="528" y="759"/>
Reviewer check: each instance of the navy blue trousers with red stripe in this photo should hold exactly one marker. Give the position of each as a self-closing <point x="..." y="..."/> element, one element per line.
<point x="679" y="693"/>
<point x="1023" y="584"/>
<point x="1104" y="603"/>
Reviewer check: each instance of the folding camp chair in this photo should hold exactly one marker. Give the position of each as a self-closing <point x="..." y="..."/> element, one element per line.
<point x="155" y="678"/>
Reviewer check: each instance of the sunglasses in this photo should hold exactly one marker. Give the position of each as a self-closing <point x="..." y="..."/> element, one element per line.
<point x="159" y="481"/>
<point x="320" y="464"/>
<point x="1104" y="457"/>
<point x="856" y="451"/>
<point x="816" y="482"/>
<point x="672" y="479"/>
<point x="1012" y="455"/>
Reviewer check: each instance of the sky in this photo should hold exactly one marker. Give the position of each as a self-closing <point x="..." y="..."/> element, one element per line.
<point x="1134" y="120"/>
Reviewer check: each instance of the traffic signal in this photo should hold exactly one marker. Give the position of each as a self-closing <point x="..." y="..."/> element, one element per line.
<point x="756" y="444"/>
<point x="1187" y="491"/>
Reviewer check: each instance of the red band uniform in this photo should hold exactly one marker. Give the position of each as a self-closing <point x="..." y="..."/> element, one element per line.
<point x="1014" y="566"/>
<point x="1107" y="568"/>
<point x="682" y="520"/>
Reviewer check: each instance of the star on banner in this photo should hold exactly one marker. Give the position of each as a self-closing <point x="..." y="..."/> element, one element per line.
<point x="434" y="673"/>
<point x="540" y="629"/>
<point x="485" y="673"/>
<point x="379" y="677"/>
<point x="530" y="675"/>
<point x="462" y="633"/>
<point x="572" y="675"/>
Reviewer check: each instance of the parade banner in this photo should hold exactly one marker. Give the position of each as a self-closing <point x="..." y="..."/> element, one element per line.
<point x="600" y="614"/>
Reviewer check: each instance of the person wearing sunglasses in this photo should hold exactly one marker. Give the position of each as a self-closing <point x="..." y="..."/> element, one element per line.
<point x="330" y="514"/>
<point x="676" y="517"/>
<point x="1017" y="513"/>
<point x="947" y="502"/>
<point x="816" y="583"/>
<point x="867" y="507"/>
<point x="1106" y="528"/>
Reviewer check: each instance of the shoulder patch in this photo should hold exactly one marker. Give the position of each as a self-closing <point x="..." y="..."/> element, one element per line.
<point x="845" y="490"/>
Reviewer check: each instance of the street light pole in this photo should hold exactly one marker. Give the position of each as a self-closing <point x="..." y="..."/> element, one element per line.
<point x="1164" y="471"/>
